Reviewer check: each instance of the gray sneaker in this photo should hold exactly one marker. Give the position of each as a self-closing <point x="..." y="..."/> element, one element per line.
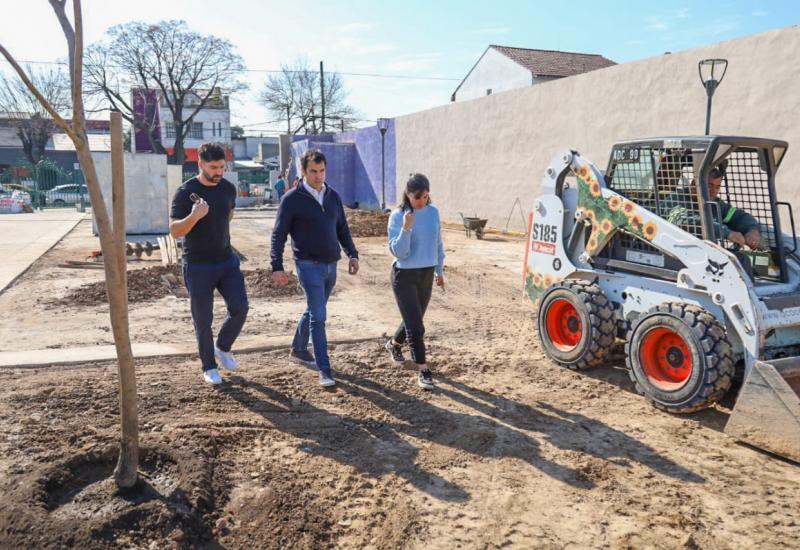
<point x="303" y="357"/>
<point x="326" y="379"/>
<point x="425" y="379"/>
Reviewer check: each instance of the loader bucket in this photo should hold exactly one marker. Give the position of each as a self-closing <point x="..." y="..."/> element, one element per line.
<point x="767" y="411"/>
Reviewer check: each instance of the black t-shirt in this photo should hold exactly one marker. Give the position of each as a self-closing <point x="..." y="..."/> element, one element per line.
<point x="209" y="241"/>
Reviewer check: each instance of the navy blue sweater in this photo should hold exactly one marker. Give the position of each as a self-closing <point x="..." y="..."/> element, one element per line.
<point x="316" y="231"/>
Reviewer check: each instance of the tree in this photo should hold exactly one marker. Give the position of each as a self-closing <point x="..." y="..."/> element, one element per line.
<point x="33" y="123"/>
<point x="112" y="239"/>
<point x="294" y="95"/>
<point x="237" y="132"/>
<point x="165" y="62"/>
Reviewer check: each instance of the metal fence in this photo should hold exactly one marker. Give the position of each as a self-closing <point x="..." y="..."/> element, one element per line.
<point x="254" y="185"/>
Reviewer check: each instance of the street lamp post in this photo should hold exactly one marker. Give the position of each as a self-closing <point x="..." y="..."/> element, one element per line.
<point x="709" y="70"/>
<point x="383" y="125"/>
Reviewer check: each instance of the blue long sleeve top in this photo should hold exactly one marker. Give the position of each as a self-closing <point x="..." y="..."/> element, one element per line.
<point x="422" y="245"/>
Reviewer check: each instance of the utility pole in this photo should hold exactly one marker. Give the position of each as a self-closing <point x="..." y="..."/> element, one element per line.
<point x="288" y="120"/>
<point x="322" y="88"/>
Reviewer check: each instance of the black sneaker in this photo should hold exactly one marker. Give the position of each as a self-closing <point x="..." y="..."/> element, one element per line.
<point x="395" y="352"/>
<point x="425" y="379"/>
<point x="303" y="357"/>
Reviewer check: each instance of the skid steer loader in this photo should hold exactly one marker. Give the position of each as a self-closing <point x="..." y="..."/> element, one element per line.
<point x="639" y="253"/>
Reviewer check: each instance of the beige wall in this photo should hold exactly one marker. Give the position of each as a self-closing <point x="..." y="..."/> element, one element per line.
<point x="482" y="154"/>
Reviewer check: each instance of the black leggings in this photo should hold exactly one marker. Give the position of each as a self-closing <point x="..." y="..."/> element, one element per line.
<point x="412" y="290"/>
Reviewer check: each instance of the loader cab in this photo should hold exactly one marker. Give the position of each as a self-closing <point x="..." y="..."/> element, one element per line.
<point x="669" y="177"/>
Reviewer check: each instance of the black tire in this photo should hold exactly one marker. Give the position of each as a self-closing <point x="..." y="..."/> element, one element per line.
<point x="479" y="232"/>
<point x="679" y="357"/>
<point x="586" y="334"/>
<point x="58" y="202"/>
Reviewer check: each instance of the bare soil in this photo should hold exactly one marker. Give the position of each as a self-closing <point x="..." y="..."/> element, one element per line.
<point x="509" y="451"/>
<point x="152" y="283"/>
<point x="367" y="224"/>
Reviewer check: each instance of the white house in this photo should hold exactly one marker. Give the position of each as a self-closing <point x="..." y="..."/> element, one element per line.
<point x="503" y="68"/>
<point x="211" y="123"/>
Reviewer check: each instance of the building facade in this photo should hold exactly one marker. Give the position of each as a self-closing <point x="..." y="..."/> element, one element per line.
<point x="212" y="123"/>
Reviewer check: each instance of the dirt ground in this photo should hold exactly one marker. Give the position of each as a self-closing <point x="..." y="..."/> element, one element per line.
<point x="509" y="451"/>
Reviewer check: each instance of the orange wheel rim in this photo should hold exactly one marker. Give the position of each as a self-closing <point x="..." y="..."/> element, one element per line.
<point x="665" y="359"/>
<point x="564" y="327"/>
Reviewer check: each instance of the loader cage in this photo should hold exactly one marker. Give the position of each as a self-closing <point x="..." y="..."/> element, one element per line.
<point x="658" y="176"/>
<point x="662" y="176"/>
<point x="748" y="183"/>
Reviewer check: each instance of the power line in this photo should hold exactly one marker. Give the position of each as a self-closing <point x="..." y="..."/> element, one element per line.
<point x="367" y="75"/>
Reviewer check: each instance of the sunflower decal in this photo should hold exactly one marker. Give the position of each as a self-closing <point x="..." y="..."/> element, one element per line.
<point x="649" y="231"/>
<point x="591" y="246"/>
<point x="628" y="208"/>
<point x="609" y="212"/>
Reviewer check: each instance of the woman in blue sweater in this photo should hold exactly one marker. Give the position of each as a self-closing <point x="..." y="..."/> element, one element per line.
<point x="415" y="240"/>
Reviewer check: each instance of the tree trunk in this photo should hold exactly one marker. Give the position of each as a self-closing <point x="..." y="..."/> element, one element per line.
<point x="127" y="463"/>
<point x="178" y="152"/>
<point x="113" y="254"/>
<point x="27" y="145"/>
<point x="125" y="473"/>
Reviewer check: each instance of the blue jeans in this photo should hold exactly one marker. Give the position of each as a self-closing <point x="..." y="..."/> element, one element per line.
<point x="201" y="281"/>
<point x="317" y="280"/>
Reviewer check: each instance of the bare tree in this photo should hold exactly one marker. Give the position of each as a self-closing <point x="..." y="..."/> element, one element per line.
<point x="20" y="107"/>
<point x="165" y="62"/>
<point x="112" y="239"/>
<point x="295" y="95"/>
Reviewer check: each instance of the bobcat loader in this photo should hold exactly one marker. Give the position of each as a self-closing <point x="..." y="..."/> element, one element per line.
<point x="640" y="253"/>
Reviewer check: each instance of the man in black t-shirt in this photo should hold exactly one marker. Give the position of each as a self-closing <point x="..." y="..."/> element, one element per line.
<point x="201" y="212"/>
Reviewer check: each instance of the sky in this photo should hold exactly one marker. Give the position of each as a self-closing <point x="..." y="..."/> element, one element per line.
<point x="415" y="52"/>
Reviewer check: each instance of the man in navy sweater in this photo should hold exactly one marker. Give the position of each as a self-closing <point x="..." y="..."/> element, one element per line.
<point x="312" y="214"/>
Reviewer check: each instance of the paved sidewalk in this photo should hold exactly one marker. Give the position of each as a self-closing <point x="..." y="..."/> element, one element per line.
<point x="24" y="238"/>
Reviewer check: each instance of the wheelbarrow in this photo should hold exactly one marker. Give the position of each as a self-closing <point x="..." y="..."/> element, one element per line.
<point x="474" y="224"/>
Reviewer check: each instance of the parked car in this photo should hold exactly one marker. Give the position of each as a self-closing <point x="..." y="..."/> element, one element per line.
<point x="62" y="195"/>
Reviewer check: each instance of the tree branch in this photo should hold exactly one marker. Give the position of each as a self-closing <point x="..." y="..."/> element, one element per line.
<point x="32" y="88"/>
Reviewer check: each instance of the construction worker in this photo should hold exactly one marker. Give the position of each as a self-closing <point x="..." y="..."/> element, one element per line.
<point x="313" y="215"/>
<point x="201" y="212"/>
<point x="738" y="226"/>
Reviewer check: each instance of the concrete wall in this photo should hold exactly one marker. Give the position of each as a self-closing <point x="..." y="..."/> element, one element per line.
<point x="490" y="151"/>
<point x="496" y="71"/>
<point x="147" y="195"/>
<point x="174" y="181"/>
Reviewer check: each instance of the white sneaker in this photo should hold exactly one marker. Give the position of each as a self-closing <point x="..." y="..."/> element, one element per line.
<point x="326" y="380"/>
<point x="211" y="376"/>
<point x="226" y="358"/>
